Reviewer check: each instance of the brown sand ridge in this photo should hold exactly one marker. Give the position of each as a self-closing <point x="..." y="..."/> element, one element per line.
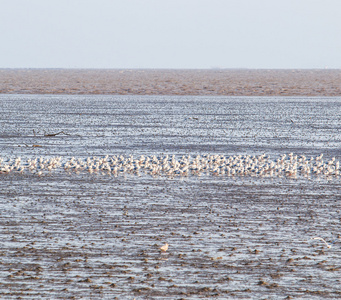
<point x="234" y="82"/>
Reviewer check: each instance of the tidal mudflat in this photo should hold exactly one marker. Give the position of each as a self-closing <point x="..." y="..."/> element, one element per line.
<point x="96" y="235"/>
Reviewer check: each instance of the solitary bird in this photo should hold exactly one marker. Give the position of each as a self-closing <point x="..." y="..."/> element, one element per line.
<point x="164" y="248"/>
<point x="318" y="238"/>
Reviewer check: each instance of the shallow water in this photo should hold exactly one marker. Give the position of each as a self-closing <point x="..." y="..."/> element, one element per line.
<point x="96" y="236"/>
<point x="162" y="124"/>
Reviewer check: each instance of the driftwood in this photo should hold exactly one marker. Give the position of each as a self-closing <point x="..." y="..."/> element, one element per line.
<point x="34" y="146"/>
<point x="54" y="134"/>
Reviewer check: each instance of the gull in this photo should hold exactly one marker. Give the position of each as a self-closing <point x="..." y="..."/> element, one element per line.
<point x="318" y="238"/>
<point x="164" y="248"/>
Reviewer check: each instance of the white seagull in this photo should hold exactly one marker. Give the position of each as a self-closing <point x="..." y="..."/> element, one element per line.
<point x="321" y="239"/>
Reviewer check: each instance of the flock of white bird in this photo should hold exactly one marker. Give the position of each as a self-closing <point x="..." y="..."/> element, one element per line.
<point x="219" y="165"/>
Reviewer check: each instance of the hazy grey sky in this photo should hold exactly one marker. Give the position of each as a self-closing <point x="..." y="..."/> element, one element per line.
<point x="170" y="33"/>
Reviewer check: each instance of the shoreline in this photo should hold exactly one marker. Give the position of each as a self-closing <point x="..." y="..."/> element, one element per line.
<point x="201" y="82"/>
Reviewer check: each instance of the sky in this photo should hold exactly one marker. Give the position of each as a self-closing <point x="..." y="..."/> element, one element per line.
<point x="172" y="34"/>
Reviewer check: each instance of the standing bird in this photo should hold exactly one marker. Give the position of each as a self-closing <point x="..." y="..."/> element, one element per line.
<point x="164" y="248"/>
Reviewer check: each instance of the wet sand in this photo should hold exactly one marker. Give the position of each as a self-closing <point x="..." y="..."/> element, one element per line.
<point x="97" y="236"/>
<point x="172" y="82"/>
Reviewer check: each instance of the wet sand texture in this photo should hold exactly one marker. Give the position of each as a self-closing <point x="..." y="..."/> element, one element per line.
<point x="66" y="234"/>
<point x="172" y="82"/>
<point x="98" y="238"/>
